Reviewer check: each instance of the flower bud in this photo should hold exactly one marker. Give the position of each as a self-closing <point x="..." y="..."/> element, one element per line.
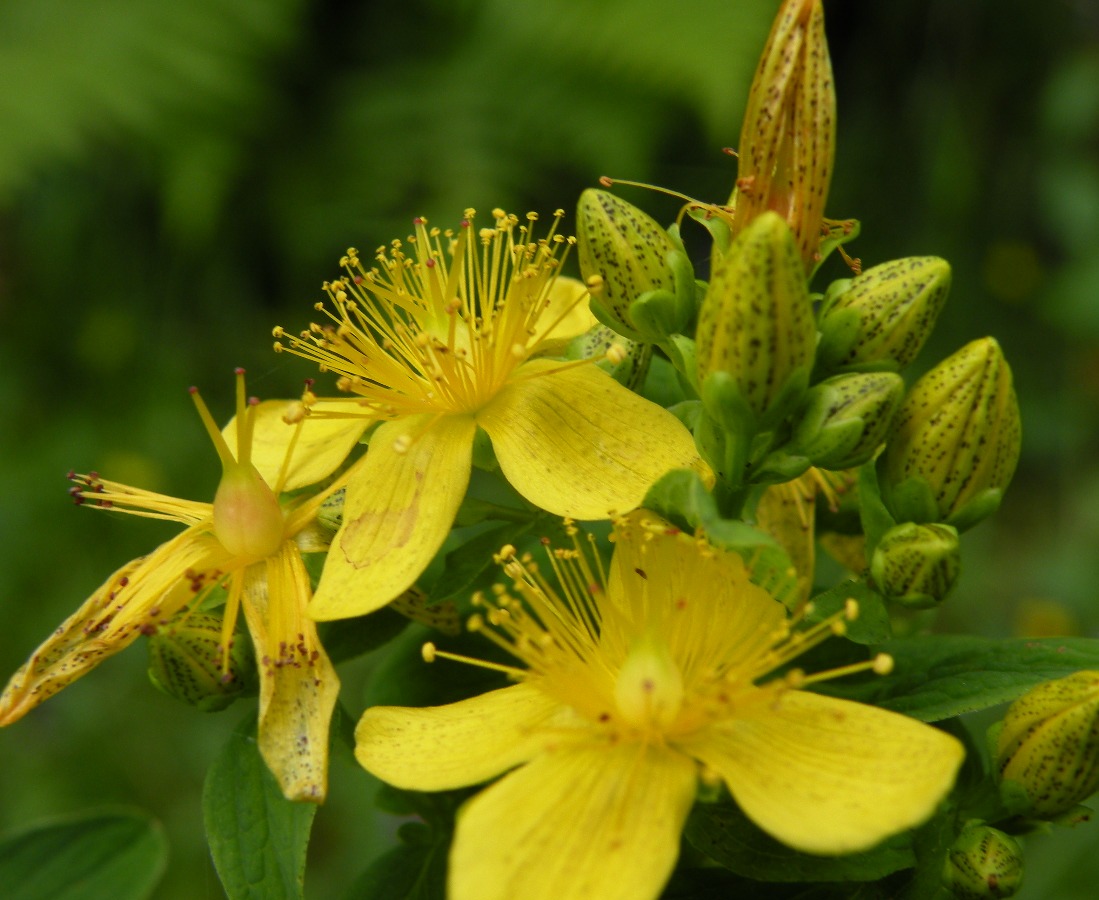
<point x="955" y="441"/>
<point x="983" y="863"/>
<point x="623" y="254"/>
<point x="185" y="661"/>
<point x="788" y="139"/>
<point x="330" y="514"/>
<point x="917" y="565"/>
<point x="1049" y="743"/>
<point x="846" y="418"/>
<point x="756" y="333"/>
<point x="880" y="319"/>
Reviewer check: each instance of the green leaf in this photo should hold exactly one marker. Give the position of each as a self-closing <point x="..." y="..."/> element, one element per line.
<point x="257" y="837"/>
<point x="402" y="678"/>
<point x="941" y="676"/>
<point x="347" y="638"/>
<point x="470" y="567"/>
<point x="408" y="872"/>
<point x="871" y="626"/>
<point x="416" y="870"/>
<point x="116" y="855"/>
<point x="724" y="833"/>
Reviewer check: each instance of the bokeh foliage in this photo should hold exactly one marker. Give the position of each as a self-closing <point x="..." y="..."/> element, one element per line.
<point x="175" y="179"/>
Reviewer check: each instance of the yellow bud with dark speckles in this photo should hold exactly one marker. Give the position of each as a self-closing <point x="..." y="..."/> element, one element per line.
<point x="185" y="661"/>
<point x="955" y="441"/>
<point x="626" y="250"/>
<point x="983" y="863"/>
<point x="1049" y="743"/>
<point x="882" y="318"/>
<point x="756" y="330"/>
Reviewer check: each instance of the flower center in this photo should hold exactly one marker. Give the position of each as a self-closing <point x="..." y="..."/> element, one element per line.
<point x="649" y="688"/>
<point x="439" y="323"/>
<point x="248" y="521"/>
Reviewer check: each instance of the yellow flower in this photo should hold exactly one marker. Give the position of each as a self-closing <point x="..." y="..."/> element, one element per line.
<point x="438" y="340"/>
<point x="635" y="685"/>
<point x="245" y="541"/>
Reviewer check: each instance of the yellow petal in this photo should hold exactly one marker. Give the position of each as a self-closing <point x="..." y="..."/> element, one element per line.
<point x="399" y="509"/>
<point x="566" y="316"/>
<point x="577" y="823"/>
<point x="141" y="593"/>
<point x="444" y="747"/>
<point x="577" y="443"/>
<point x="829" y="776"/>
<point x="321" y="447"/>
<point x="666" y="581"/>
<point x="298" y="686"/>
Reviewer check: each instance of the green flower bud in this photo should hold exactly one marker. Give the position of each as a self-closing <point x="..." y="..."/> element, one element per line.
<point x="1049" y="743"/>
<point x="756" y="333"/>
<point x="845" y="419"/>
<point x="983" y="864"/>
<point x="185" y="661"/>
<point x="917" y="565"/>
<point x="881" y="319"/>
<point x="330" y="515"/>
<point x="954" y="444"/>
<point x="623" y="255"/>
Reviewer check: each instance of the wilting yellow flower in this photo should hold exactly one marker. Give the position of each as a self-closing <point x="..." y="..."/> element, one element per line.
<point x="437" y="341"/>
<point x="245" y="541"/>
<point x="635" y="685"/>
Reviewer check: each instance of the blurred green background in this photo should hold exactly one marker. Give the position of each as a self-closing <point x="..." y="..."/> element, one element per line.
<point x="175" y="179"/>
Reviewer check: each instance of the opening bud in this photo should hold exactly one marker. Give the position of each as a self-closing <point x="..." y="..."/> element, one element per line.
<point x="955" y="441"/>
<point x="788" y="139"/>
<point x="1049" y="743"/>
<point x="917" y="565"/>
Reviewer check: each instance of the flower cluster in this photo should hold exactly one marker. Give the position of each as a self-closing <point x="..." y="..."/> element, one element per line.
<point x="667" y="655"/>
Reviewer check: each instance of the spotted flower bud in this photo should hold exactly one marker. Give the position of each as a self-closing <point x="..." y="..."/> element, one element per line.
<point x="788" y="139"/>
<point x="917" y="565"/>
<point x="185" y="661"/>
<point x="756" y="333"/>
<point x="881" y="319"/>
<point x="845" y="419"/>
<point x="983" y="863"/>
<point x="623" y="255"/>
<point x="1049" y="743"/>
<point x="955" y="441"/>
